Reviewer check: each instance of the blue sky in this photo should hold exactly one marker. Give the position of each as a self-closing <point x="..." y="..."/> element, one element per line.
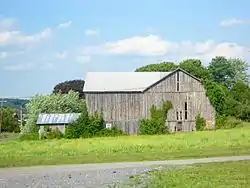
<point x="46" y="42"/>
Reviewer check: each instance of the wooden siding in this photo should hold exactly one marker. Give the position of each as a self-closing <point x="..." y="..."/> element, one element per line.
<point x="126" y="109"/>
<point x="122" y="109"/>
<point x="190" y="91"/>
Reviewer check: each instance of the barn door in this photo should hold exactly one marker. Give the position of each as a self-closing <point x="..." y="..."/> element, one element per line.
<point x="178" y="126"/>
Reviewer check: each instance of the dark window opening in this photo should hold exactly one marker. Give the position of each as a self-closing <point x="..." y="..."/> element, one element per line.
<point x="186" y="113"/>
<point x="177" y="115"/>
<point x="178" y="81"/>
<point x="180" y="115"/>
<point x="178" y="86"/>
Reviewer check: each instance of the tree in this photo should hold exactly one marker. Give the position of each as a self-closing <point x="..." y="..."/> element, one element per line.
<point x="54" y="103"/>
<point x="238" y="102"/>
<point x="239" y="67"/>
<point x="74" y="85"/>
<point x="160" y="67"/>
<point x="195" y="67"/>
<point x="228" y="71"/>
<point x="192" y="66"/>
<point x="10" y="121"/>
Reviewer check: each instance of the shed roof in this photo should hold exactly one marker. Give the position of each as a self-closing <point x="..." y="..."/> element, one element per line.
<point x="57" y="119"/>
<point x="121" y="81"/>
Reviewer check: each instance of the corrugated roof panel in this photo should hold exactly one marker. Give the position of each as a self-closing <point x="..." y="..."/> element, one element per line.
<point x="121" y="81"/>
<point x="57" y="119"/>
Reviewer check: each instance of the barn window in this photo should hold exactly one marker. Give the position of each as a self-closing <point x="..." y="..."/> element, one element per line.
<point x="178" y="81"/>
<point x="186" y="113"/>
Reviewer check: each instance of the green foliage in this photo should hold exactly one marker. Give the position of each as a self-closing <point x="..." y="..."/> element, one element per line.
<point x="15" y="103"/>
<point x="76" y="129"/>
<point x="54" y="103"/>
<point x="72" y="85"/>
<point x="161" y="67"/>
<point x="195" y="68"/>
<point x="200" y="123"/>
<point x="29" y="136"/>
<point x="10" y="122"/>
<point x="113" y="132"/>
<point x="90" y="126"/>
<point x="156" y="123"/>
<point x="228" y="71"/>
<point x="227" y="122"/>
<point x="53" y="134"/>
<point x="217" y="95"/>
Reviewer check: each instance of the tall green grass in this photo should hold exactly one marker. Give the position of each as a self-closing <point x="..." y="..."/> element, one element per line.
<point x="226" y="174"/>
<point x="126" y="148"/>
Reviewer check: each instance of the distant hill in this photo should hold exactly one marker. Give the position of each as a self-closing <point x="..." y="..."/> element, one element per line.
<point x="14" y="103"/>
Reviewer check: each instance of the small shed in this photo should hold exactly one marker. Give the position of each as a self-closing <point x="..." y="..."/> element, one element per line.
<point x="57" y="121"/>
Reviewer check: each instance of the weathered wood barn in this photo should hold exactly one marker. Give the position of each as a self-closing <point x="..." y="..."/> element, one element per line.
<point x="127" y="97"/>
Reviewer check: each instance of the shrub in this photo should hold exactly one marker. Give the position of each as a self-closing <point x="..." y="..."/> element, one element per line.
<point x="114" y="131"/>
<point x="95" y="125"/>
<point x="227" y="122"/>
<point x="200" y="123"/>
<point x="156" y="123"/>
<point x="54" y="134"/>
<point x="29" y="136"/>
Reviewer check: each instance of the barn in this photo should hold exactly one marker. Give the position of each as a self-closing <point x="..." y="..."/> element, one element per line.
<point x="127" y="97"/>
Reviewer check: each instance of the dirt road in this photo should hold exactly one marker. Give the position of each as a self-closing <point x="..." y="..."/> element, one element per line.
<point x="89" y="175"/>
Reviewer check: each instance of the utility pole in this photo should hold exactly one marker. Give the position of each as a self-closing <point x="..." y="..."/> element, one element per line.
<point x="1" y="118"/>
<point x="21" y="114"/>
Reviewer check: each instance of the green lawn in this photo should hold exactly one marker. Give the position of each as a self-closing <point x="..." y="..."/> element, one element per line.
<point x="219" y="175"/>
<point x="126" y="148"/>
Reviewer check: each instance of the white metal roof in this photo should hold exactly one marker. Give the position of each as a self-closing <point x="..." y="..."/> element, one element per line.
<point x="120" y="81"/>
<point x="57" y="119"/>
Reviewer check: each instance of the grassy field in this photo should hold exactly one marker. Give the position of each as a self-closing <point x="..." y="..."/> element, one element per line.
<point x="221" y="175"/>
<point x="8" y="135"/>
<point x="127" y="148"/>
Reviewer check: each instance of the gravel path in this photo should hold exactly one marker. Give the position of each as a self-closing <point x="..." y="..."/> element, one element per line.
<point x="88" y="175"/>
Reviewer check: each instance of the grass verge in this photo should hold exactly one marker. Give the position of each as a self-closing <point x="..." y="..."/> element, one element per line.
<point x="227" y="174"/>
<point x="126" y="148"/>
<point x="9" y="135"/>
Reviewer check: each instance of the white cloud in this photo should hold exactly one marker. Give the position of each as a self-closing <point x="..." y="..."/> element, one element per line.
<point x="61" y="55"/>
<point x="16" y="37"/>
<point x="64" y="25"/>
<point x="3" y="55"/>
<point x="11" y="35"/>
<point x="19" y="67"/>
<point x="234" y="21"/>
<point x="91" y="32"/>
<point x="155" y="46"/>
<point x="36" y="37"/>
<point x="83" y="58"/>
<point x="7" y="24"/>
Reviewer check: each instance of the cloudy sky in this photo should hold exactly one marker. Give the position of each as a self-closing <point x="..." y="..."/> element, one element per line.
<point x="45" y="42"/>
